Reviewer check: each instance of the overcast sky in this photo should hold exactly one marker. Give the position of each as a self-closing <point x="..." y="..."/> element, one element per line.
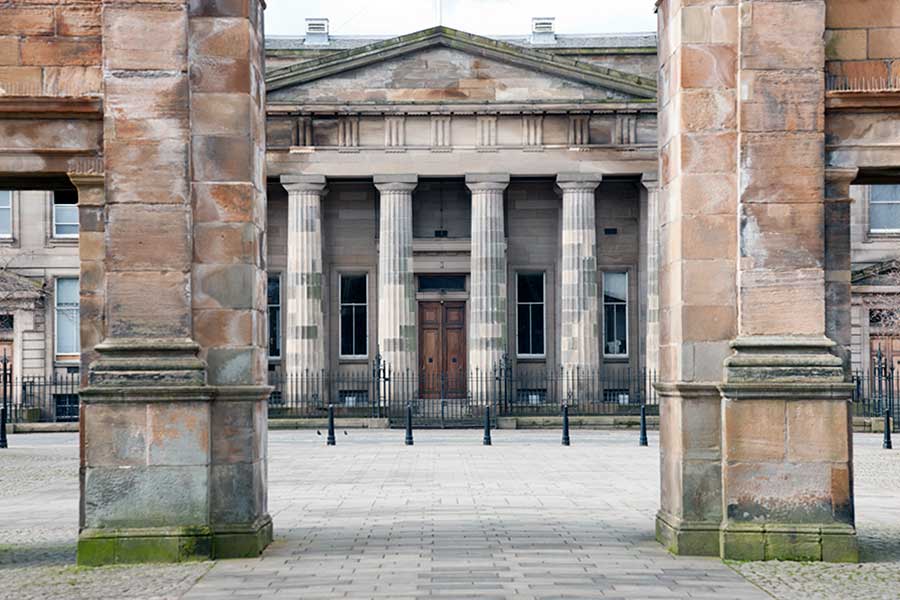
<point x="501" y="17"/>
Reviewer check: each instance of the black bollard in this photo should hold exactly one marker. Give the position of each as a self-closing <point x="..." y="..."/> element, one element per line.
<point x="3" y="442"/>
<point x="886" y="444"/>
<point x="331" y="441"/>
<point x="487" y="426"/>
<point x="565" y="437"/>
<point x="643" y="440"/>
<point x="409" y="439"/>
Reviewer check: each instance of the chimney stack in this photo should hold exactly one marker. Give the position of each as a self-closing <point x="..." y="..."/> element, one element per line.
<point x="316" y="32"/>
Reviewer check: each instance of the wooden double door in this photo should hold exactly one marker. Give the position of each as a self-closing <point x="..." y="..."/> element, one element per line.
<point x="442" y="349"/>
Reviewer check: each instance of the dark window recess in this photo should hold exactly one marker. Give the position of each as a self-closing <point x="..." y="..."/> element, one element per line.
<point x="530" y="314"/>
<point x="351" y="398"/>
<point x="442" y="283"/>
<point x="531" y="397"/>
<point x="66" y="407"/>
<point x="274" y="304"/>
<point x="6" y="322"/>
<point x="610" y="231"/>
<point x="440" y="233"/>
<point x="353" y="315"/>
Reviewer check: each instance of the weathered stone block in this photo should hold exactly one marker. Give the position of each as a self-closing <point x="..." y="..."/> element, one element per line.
<point x="223" y="327"/>
<point x="793" y="545"/>
<point x="147" y="550"/>
<point x="27" y="21"/>
<point x="839" y="547"/>
<point x="145" y="39"/>
<point x="131" y="178"/>
<point x="81" y="20"/>
<point x="220" y="114"/>
<point x="232" y="497"/>
<point x="178" y="433"/>
<point x="754" y="430"/>
<point x="226" y="243"/>
<point x="222" y="37"/>
<point x="148" y="237"/>
<point x="117" y="435"/>
<point x="225" y="286"/>
<point x="221" y="74"/>
<point x="222" y="158"/>
<point x="862" y="13"/>
<point x="817" y="430"/>
<point x="846" y="44"/>
<point x="57" y="51"/>
<point x="223" y="202"/>
<point x="158" y="496"/>
<point x="742" y="545"/>
<point x="146" y="304"/>
<point x="236" y="434"/>
<point x="708" y="66"/>
<point x="230" y="366"/>
<point x="884" y="43"/>
<point x="9" y="50"/>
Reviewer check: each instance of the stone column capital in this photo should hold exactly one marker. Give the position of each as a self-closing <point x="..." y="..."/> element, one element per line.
<point x="587" y="182"/>
<point x="837" y="183"/>
<point x="650" y="181"/>
<point x="304" y="183"/>
<point x="487" y="181"/>
<point x="396" y="183"/>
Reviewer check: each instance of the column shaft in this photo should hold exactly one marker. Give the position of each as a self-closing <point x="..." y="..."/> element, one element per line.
<point x="580" y="298"/>
<point x="652" y="241"/>
<point x="305" y="322"/>
<point x="487" y="313"/>
<point x="397" y="336"/>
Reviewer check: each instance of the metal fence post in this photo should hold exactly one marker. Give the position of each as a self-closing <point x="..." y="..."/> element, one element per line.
<point x="886" y="444"/>
<point x="643" y="438"/>
<point x="565" y="425"/>
<point x="3" y="441"/>
<point x="409" y="435"/>
<point x="487" y="426"/>
<point x="331" y="441"/>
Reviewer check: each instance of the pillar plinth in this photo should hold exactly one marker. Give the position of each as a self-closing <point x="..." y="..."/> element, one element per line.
<point x="397" y="335"/>
<point x="580" y="339"/>
<point x="305" y="321"/>
<point x="487" y="311"/>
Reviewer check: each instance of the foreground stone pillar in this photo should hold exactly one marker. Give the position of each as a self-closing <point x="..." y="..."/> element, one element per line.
<point x="785" y="484"/>
<point x="651" y="241"/>
<point x="838" y="269"/>
<point x="580" y="343"/>
<point x="397" y="335"/>
<point x="487" y="311"/>
<point x="305" y="330"/>
<point x="173" y="439"/>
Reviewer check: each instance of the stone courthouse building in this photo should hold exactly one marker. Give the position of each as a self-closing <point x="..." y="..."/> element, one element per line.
<point x="682" y="202"/>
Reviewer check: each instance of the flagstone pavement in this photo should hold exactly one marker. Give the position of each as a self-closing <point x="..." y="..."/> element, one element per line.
<point x="445" y="518"/>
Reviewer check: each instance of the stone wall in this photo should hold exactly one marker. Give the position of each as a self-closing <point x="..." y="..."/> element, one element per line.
<point x="50" y="48"/>
<point x="862" y="44"/>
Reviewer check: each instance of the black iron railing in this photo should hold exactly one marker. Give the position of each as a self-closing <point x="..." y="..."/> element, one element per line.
<point x="44" y="399"/>
<point x="461" y="396"/>
<point x="877" y="392"/>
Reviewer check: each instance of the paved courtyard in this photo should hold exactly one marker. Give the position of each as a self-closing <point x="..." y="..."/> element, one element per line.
<point x="524" y="518"/>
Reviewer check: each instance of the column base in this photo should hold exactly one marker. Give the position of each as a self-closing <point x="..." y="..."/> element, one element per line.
<point x="685" y="538"/>
<point x="98" y="547"/>
<point x="785" y="541"/>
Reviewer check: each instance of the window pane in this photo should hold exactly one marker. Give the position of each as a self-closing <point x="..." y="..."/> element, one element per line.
<point x="66" y="291"/>
<point x="353" y="288"/>
<point x="346" y="331"/>
<point x="537" y="329"/>
<point x="66" y="229"/>
<point x="66" y="213"/>
<point x="531" y="287"/>
<point x="5" y="198"/>
<point x="5" y="222"/>
<point x="67" y="332"/>
<point x="522" y="332"/>
<point x="884" y="216"/>
<point x="621" y="330"/>
<point x="274" y="331"/>
<point x="359" y="330"/>
<point x="615" y="286"/>
<point x="431" y="283"/>
<point x="273" y="291"/>
<point x="884" y="192"/>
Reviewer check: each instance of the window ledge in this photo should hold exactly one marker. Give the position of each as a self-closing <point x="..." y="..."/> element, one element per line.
<point x="353" y="359"/>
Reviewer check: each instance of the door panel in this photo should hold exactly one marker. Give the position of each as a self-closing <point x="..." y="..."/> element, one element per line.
<point x="442" y="349"/>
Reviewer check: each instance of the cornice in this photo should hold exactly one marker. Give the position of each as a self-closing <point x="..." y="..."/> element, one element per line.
<point x="45" y="107"/>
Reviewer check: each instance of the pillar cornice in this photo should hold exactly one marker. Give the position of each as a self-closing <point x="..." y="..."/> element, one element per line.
<point x="837" y="183"/>
<point x="396" y="183"/>
<point x="487" y="181"/>
<point x="579" y="181"/>
<point x="304" y="183"/>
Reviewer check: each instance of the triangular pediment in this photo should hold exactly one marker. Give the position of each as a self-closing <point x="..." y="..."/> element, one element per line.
<point x="443" y="64"/>
<point x="15" y="286"/>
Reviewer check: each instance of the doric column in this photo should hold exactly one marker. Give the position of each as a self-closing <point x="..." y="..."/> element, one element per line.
<point x="580" y="342"/>
<point x="304" y="341"/>
<point x="651" y="240"/>
<point x="487" y="311"/>
<point x="397" y="336"/>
